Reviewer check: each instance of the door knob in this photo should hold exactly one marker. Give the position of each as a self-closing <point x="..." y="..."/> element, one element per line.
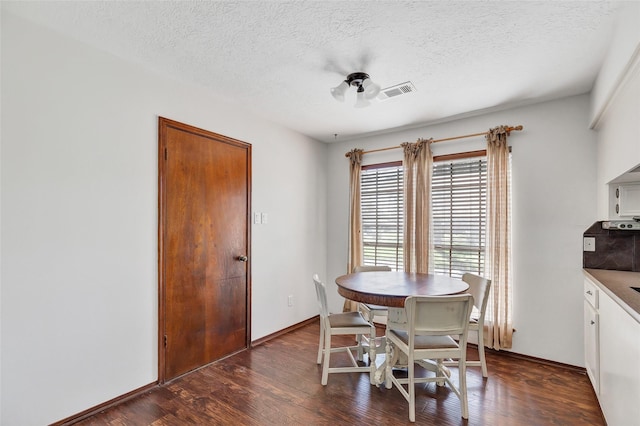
<point x="242" y="258"/>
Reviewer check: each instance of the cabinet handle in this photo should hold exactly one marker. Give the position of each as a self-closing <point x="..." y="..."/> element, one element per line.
<point x="589" y="292"/>
<point x="592" y="322"/>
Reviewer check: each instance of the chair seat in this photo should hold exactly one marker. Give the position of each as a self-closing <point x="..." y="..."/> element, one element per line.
<point x="427" y="342"/>
<point x="348" y="319"/>
<point x="375" y="307"/>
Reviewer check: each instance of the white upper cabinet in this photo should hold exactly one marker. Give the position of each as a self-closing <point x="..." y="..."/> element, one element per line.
<point x="628" y="199"/>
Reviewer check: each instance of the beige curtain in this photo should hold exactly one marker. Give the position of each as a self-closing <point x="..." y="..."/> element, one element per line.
<point x="418" y="164"/>
<point x="355" y="219"/>
<point x="498" y="259"/>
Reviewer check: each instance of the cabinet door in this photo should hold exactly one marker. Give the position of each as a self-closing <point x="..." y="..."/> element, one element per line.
<point x="628" y="199"/>
<point x="619" y="363"/>
<point x="591" y="345"/>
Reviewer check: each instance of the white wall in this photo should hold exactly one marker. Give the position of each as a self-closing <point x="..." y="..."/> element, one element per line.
<point x="553" y="203"/>
<point x="79" y="220"/>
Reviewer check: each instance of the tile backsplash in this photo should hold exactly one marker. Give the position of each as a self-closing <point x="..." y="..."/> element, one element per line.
<point x="614" y="249"/>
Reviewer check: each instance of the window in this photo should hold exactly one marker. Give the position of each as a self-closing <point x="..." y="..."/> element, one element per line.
<point x="381" y="203"/>
<point x="458" y="197"/>
<point x="458" y="194"/>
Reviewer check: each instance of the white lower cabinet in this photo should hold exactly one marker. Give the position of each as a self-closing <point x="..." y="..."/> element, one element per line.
<point x="619" y="392"/>
<point x="612" y="356"/>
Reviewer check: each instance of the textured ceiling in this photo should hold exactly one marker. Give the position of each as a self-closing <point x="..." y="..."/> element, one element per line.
<point x="280" y="58"/>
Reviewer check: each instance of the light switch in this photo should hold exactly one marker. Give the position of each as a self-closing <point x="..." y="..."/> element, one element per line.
<point x="589" y="244"/>
<point x="257" y="218"/>
<point x="265" y="218"/>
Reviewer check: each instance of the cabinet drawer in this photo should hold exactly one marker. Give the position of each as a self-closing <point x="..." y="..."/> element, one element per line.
<point x="591" y="293"/>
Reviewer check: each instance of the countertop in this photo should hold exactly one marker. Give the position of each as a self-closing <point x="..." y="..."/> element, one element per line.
<point x="617" y="284"/>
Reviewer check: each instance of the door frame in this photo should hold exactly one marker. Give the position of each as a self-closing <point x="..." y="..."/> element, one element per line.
<point x="163" y="125"/>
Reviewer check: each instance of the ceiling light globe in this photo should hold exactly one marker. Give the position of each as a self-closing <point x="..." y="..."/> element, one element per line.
<point x="339" y="91"/>
<point x="361" y="101"/>
<point x="371" y="89"/>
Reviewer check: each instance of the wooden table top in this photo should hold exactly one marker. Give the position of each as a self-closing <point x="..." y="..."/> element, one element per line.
<point x="392" y="288"/>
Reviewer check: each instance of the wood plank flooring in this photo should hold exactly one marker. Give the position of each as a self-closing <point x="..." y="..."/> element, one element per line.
<point x="278" y="383"/>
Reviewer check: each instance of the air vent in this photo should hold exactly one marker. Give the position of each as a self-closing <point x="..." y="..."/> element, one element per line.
<point x="397" y="90"/>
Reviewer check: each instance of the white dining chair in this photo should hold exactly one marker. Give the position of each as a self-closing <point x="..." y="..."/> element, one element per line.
<point x="433" y="321"/>
<point x="341" y="324"/>
<point x="479" y="288"/>
<point x="369" y="311"/>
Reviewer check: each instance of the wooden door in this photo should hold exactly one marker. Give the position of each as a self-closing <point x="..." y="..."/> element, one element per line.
<point x="204" y="275"/>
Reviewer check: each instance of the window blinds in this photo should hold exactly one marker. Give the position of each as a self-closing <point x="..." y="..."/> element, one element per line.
<point x="459" y="190"/>
<point x="381" y="203"/>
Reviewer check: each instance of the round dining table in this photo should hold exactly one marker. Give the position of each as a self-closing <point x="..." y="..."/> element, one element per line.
<point x="391" y="288"/>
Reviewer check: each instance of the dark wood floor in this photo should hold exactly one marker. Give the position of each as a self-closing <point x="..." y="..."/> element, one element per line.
<point x="278" y="383"/>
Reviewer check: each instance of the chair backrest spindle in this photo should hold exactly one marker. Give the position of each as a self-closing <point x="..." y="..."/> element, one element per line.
<point x="321" y="292"/>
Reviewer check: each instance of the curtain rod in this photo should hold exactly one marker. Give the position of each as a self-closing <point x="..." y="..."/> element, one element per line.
<point x="509" y="130"/>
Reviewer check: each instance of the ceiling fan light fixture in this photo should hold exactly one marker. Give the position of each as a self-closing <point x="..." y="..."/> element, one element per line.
<point x="339" y="91"/>
<point x="365" y="87"/>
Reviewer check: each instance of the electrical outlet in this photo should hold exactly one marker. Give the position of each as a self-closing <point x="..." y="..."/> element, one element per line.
<point x="265" y="218"/>
<point x="257" y="218"/>
<point x="589" y="244"/>
<point x="290" y="300"/>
